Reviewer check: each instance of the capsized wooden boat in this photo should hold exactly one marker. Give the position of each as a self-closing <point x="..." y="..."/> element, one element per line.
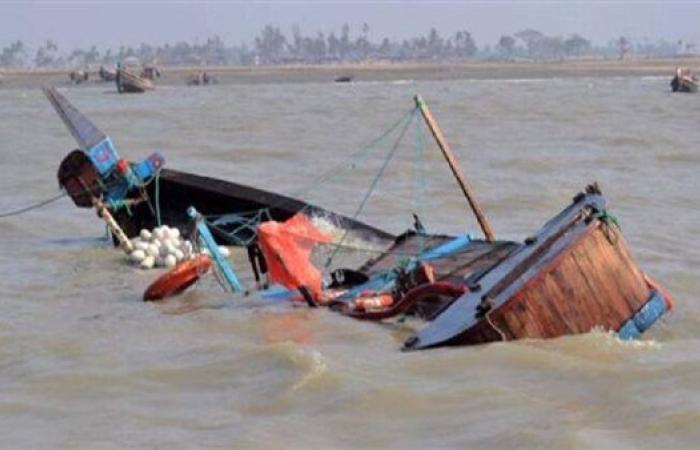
<point x="140" y="195"/>
<point x="574" y="275"/>
<point x="684" y="81"/>
<point x="128" y="82"/>
<point x="233" y="210"/>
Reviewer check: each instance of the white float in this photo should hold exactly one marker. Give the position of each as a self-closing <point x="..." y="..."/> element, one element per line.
<point x="164" y="247"/>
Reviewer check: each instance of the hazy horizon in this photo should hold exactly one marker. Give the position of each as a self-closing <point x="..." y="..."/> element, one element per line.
<point x="74" y="24"/>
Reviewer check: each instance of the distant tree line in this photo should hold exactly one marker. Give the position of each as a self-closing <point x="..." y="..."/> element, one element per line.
<point x="273" y="46"/>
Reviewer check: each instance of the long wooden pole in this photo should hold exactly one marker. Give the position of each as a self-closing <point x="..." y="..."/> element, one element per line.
<point x="454" y="166"/>
<point x="114" y="227"/>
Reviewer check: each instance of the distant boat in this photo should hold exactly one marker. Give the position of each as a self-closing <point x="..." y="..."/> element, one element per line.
<point x="130" y="77"/>
<point x="107" y="74"/>
<point x="200" y="79"/>
<point x="128" y="82"/>
<point x="78" y="76"/>
<point x="344" y="79"/>
<point x="150" y="72"/>
<point x="684" y="81"/>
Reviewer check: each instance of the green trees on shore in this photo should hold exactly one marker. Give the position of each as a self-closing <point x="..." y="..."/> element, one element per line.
<point x="273" y="46"/>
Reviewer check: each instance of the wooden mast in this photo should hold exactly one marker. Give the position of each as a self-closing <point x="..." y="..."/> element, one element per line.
<point x="454" y="166"/>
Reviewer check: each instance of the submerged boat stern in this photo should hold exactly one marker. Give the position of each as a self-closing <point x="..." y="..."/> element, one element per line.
<point x="576" y="274"/>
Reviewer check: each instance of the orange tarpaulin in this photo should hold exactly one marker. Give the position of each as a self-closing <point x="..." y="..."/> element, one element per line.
<point x="287" y="248"/>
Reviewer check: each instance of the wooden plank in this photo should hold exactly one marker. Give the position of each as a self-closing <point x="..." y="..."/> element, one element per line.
<point x="574" y="285"/>
<point x="624" y="281"/>
<point x="512" y="317"/>
<point x="614" y="282"/>
<point x="554" y="304"/>
<point x="598" y="304"/>
<point x="583" y="287"/>
<point x="638" y="296"/>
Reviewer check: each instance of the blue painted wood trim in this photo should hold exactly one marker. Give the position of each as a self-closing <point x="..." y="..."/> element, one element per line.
<point x="447" y="248"/>
<point x="208" y="240"/>
<point x="643" y="319"/>
<point x="103" y="156"/>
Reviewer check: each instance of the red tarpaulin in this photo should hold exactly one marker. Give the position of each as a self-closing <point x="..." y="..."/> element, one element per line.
<point x="287" y="248"/>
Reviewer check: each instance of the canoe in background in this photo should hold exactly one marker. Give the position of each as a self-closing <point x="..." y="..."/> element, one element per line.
<point x="684" y="81"/>
<point x="128" y="82"/>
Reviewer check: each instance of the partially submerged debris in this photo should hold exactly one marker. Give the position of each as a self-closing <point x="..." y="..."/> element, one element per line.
<point x="574" y="275"/>
<point x="684" y="81"/>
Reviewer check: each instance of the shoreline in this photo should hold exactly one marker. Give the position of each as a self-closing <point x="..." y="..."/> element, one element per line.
<point x="382" y="71"/>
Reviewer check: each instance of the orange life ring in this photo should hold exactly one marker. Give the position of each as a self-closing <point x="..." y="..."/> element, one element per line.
<point x="179" y="278"/>
<point x="426" y="290"/>
<point x="369" y="301"/>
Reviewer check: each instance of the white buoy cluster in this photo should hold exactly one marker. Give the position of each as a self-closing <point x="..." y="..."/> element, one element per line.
<point x="163" y="247"/>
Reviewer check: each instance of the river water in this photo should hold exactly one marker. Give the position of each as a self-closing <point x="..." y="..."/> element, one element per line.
<point x="84" y="363"/>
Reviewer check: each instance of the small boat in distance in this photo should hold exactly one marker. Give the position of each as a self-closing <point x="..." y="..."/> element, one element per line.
<point x="78" y="76"/>
<point x="129" y="77"/>
<point x="201" y="78"/>
<point x="107" y="74"/>
<point x="150" y="72"/>
<point x="344" y="79"/>
<point x="128" y="82"/>
<point x="684" y="81"/>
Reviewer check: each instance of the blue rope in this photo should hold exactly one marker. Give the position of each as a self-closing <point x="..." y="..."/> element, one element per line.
<point x="374" y="183"/>
<point x="332" y="174"/>
<point x="358" y="157"/>
<point x="353" y="161"/>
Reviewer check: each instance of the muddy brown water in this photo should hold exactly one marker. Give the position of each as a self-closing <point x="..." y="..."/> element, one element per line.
<point x="84" y="363"/>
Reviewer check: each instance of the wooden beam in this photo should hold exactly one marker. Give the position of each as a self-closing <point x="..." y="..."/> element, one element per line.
<point x="454" y="166"/>
<point x="103" y="212"/>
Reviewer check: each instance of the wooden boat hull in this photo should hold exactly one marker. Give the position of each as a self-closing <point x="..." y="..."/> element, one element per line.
<point x="127" y="82"/>
<point x="684" y="84"/>
<point x="137" y="199"/>
<point x="78" y="76"/>
<point x="213" y="197"/>
<point x="173" y="192"/>
<point x="200" y="79"/>
<point x="575" y="275"/>
<point x="107" y="74"/>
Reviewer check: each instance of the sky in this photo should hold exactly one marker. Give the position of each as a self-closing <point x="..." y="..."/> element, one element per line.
<point x="109" y="24"/>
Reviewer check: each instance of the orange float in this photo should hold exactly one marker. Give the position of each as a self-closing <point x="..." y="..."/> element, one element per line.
<point x="179" y="278"/>
<point x="368" y="301"/>
<point x="415" y="295"/>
